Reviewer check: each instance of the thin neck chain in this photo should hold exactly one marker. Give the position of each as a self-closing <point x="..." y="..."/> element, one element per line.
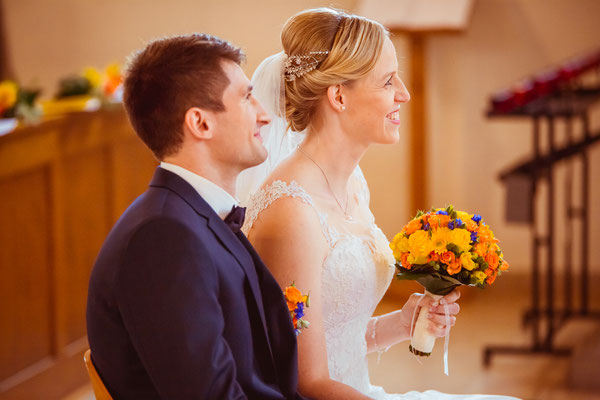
<point x="344" y="209"/>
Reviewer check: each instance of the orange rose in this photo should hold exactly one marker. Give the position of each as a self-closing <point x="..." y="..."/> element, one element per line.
<point x="412" y="226"/>
<point x="491" y="273"/>
<point x="447" y="257"/>
<point x="433" y="256"/>
<point x="481" y="249"/>
<point x="471" y="225"/>
<point x="439" y="221"/>
<point x="291" y="305"/>
<point x="504" y="266"/>
<point x="293" y="295"/>
<point x="404" y="260"/>
<point x="485" y="234"/>
<point x="454" y="267"/>
<point x="492" y="259"/>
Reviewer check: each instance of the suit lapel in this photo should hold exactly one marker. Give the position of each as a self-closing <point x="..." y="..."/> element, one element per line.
<point x="169" y="180"/>
<point x="283" y="337"/>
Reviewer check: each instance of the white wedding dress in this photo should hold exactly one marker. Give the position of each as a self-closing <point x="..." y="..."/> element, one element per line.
<point x="356" y="273"/>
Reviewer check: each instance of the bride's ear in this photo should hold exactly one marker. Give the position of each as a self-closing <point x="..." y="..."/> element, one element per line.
<point x="197" y="123"/>
<point x="336" y="98"/>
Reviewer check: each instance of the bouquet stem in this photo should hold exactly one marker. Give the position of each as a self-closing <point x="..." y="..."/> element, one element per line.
<point x="422" y="341"/>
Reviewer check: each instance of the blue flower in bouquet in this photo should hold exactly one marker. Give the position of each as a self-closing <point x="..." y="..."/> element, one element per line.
<point x="426" y="227"/>
<point x="473" y="237"/>
<point x="451" y="225"/>
<point x="299" y="310"/>
<point x="442" y="212"/>
<point x="458" y="223"/>
<point x="476" y="218"/>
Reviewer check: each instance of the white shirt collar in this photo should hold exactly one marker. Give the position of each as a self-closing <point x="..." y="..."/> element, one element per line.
<point x="216" y="197"/>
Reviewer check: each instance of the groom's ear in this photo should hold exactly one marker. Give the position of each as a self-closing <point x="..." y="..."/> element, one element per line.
<point x="197" y="122"/>
<point x="336" y="98"/>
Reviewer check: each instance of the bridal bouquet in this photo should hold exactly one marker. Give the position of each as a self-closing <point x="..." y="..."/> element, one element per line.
<point x="296" y="302"/>
<point x="444" y="249"/>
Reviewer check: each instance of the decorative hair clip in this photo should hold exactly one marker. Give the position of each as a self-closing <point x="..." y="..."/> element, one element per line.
<point x="297" y="65"/>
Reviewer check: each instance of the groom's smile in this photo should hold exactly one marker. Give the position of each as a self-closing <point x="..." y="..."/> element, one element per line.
<point x="239" y="125"/>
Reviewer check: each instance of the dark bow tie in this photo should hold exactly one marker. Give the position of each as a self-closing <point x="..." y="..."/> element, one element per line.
<point x="235" y="218"/>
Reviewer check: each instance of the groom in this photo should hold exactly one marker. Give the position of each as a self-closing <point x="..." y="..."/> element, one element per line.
<point x="180" y="306"/>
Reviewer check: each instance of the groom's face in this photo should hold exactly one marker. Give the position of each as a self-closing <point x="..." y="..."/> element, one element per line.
<point x="237" y="139"/>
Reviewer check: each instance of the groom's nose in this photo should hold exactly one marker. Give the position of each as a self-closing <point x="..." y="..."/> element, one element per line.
<point x="261" y="115"/>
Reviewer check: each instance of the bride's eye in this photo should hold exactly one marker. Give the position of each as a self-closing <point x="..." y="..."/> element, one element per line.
<point x="389" y="82"/>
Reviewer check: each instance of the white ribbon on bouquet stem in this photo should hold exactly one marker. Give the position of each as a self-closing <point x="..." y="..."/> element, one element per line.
<point x="446" y="335"/>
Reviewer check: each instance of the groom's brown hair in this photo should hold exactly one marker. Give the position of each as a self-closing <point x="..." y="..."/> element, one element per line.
<point x="168" y="77"/>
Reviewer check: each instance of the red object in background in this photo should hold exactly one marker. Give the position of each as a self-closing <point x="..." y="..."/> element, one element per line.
<point x="571" y="69"/>
<point x="503" y="101"/>
<point x="546" y="82"/>
<point x="524" y="92"/>
<point x="543" y="83"/>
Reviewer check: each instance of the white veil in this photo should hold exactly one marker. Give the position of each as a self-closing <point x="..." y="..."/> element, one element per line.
<point x="270" y="92"/>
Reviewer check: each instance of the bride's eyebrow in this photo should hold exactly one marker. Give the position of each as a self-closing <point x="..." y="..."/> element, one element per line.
<point x="388" y="75"/>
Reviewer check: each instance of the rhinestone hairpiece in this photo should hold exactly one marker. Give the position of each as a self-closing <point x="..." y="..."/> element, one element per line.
<point x="297" y="65"/>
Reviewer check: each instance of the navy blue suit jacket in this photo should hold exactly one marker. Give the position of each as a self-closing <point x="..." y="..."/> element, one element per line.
<point x="180" y="307"/>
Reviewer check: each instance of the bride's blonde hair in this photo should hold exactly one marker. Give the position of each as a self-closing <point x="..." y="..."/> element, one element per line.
<point x="354" y="44"/>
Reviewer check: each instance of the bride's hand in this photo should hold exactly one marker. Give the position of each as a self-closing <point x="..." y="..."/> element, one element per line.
<point x="437" y="322"/>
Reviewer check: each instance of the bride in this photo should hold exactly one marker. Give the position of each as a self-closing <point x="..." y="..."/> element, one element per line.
<point x="333" y="92"/>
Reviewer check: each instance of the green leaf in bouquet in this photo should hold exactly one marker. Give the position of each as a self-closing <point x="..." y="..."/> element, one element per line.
<point x="453" y="248"/>
<point x="433" y="282"/>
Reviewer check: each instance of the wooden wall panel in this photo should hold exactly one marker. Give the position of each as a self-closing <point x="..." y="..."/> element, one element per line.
<point x="25" y="317"/>
<point x="133" y="166"/>
<point x="63" y="184"/>
<point x="87" y="203"/>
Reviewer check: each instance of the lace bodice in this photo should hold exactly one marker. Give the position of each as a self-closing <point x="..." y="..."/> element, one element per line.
<point x="356" y="273"/>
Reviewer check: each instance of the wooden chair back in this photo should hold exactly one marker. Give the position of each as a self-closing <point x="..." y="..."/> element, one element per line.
<point x="100" y="390"/>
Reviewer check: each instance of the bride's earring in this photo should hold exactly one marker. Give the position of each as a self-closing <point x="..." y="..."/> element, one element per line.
<point x="343" y="108"/>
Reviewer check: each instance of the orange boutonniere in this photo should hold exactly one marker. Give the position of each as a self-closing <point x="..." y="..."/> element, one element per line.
<point x="296" y="302"/>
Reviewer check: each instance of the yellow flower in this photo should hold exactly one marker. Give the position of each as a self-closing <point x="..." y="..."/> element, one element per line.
<point x="399" y="245"/>
<point x="8" y="95"/>
<point x="93" y="76"/>
<point x="419" y="246"/>
<point x="466" y="261"/>
<point x="464" y="217"/>
<point x="461" y="238"/>
<point x="440" y="237"/>
<point x="113" y="71"/>
<point x="479" y="276"/>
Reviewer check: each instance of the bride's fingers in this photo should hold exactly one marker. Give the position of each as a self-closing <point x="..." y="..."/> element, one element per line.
<point x="414" y="299"/>
<point x="452" y="296"/>
<point x="441" y="319"/>
<point x="437" y="330"/>
<point x="453" y="309"/>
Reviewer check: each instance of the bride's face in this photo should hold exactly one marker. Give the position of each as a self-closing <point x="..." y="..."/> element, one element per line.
<point x="373" y="102"/>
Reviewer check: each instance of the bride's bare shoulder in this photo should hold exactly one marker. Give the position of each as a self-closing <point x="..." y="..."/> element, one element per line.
<point x="292" y="169"/>
<point x="292" y="210"/>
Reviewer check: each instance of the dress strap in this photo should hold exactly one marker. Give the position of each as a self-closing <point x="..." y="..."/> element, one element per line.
<point x="262" y="199"/>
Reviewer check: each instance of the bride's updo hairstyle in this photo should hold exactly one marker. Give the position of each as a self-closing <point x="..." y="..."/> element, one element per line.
<point x="354" y="44"/>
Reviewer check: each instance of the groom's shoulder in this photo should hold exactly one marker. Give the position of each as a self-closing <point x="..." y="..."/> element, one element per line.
<point x="157" y="203"/>
<point x="156" y="209"/>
